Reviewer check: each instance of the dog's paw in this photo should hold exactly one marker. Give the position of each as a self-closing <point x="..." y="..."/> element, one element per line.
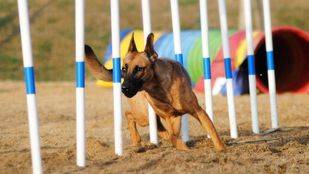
<point x="136" y="144"/>
<point x="164" y="135"/>
<point x="220" y="148"/>
<point x="180" y="145"/>
<point x="139" y="149"/>
<point x="151" y="146"/>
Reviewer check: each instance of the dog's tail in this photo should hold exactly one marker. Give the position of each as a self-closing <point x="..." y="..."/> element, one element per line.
<point x="95" y="66"/>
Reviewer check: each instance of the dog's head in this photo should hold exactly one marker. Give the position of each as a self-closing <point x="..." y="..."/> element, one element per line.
<point x="137" y="67"/>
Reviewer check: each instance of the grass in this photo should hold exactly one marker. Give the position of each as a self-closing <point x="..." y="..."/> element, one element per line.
<point x="10" y="67"/>
<point x="53" y="37"/>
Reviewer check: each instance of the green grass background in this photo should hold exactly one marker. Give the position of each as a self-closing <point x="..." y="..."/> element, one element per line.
<point x="53" y="37"/>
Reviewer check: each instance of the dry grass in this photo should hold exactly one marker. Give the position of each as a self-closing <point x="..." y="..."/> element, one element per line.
<point x="53" y="29"/>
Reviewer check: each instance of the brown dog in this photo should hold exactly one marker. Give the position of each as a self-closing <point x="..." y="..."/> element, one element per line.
<point x="163" y="83"/>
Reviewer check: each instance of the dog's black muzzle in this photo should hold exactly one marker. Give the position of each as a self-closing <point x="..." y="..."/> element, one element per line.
<point x="131" y="86"/>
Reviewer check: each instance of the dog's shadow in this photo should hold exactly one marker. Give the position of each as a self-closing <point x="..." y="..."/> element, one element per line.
<point x="274" y="138"/>
<point x="278" y="137"/>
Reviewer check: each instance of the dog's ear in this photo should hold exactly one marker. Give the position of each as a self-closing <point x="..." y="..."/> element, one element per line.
<point x="149" y="49"/>
<point x="132" y="46"/>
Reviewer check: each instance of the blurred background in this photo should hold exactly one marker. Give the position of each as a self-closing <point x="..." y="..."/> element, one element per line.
<point x="53" y="41"/>
<point x="53" y="32"/>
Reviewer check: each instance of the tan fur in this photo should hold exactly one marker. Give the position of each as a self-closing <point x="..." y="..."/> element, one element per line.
<point x="138" y="113"/>
<point x="167" y="88"/>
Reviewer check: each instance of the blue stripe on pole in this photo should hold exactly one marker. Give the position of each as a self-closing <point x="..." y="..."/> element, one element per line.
<point x="179" y="58"/>
<point x="207" y="71"/>
<point x="251" y="66"/>
<point x="270" y="60"/>
<point x="80" y="74"/>
<point x="29" y="80"/>
<point x="228" y="68"/>
<point x="116" y="70"/>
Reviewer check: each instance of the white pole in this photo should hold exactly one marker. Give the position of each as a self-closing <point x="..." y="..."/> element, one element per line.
<point x="30" y="86"/>
<point x="251" y="66"/>
<point x="206" y="58"/>
<point x="147" y="30"/>
<point x="116" y="76"/>
<point x="270" y="65"/>
<point x="178" y="56"/>
<point x="80" y="83"/>
<point x="228" y="69"/>
<point x="176" y="29"/>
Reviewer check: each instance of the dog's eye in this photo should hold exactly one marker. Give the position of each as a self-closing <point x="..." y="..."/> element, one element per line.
<point x="125" y="68"/>
<point x="138" y="68"/>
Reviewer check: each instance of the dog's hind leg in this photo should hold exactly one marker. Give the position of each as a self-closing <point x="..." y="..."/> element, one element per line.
<point x="135" y="137"/>
<point x="173" y="125"/>
<point x="207" y="124"/>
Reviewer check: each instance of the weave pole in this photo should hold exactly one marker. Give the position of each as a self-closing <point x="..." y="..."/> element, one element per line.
<point x="80" y="83"/>
<point x="270" y="65"/>
<point x="147" y="30"/>
<point x="179" y="58"/>
<point x="30" y="86"/>
<point x="206" y="58"/>
<point x="251" y="66"/>
<point x="116" y="76"/>
<point x="228" y="69"/>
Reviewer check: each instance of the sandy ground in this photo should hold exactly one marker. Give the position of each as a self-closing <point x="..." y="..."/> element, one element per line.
<point x="285" y="151"/>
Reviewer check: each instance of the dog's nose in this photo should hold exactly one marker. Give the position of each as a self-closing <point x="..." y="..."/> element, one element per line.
<point x="124" y="88"/>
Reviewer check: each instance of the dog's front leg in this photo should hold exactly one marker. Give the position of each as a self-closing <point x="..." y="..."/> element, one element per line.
<point x="135" y="137"/>
<point x="207" y="124"/>
<point x="173" y="125"/>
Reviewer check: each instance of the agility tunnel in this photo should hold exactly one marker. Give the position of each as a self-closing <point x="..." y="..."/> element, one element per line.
<point x="291" y="50"/>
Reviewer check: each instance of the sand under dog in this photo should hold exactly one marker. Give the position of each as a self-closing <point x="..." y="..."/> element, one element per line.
<point x="284" y="151"/>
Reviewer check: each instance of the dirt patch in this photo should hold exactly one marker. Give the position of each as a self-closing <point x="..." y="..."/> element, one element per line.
<point x="284" y="151"/>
